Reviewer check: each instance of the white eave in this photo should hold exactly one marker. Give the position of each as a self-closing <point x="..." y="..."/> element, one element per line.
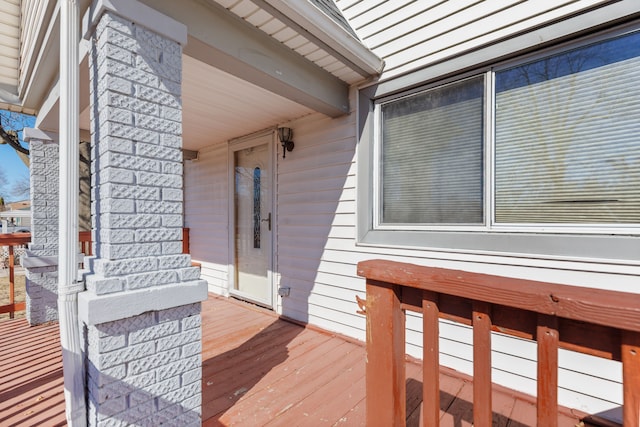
<point x="311" y="33"/>
<point x="9" y="54"/>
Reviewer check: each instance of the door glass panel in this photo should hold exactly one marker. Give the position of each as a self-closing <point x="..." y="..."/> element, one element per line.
<point x="252" y="197"/>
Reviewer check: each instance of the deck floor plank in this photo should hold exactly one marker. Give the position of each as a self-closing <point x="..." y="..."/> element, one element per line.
<point x="258" y="370"/>
<point x="31" y="384"/>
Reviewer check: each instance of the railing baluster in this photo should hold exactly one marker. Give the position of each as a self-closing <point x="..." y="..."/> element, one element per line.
<point x="386" y="388"/>
<point x="431" y="359"/>
<point x="482" y="412"/>
<point x="12" y="278"/>
<point x="548" y="343"/>
<point x="631" y="377"/>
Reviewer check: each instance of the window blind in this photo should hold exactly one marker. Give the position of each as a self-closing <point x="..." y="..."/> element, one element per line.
<point x="432" y="156"/>
<point x="567" y="131"/>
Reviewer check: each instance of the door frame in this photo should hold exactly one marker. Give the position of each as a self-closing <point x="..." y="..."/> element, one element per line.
<point x="252" y="140"/>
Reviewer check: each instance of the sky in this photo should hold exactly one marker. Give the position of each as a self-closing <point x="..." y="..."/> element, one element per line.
<point x="10" y="163"/>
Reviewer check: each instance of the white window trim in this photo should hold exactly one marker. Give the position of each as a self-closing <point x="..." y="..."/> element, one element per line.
<point x="610" y="242"/>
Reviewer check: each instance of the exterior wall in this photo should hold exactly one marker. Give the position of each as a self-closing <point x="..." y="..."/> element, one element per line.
<point x="41" y="260"/>
<point x="207" y="214"/>
<point x="317" y="251"/>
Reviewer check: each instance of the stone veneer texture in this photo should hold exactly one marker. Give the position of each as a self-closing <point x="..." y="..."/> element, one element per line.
<point x="143" y="370"/>
<point x="42" y="282"/>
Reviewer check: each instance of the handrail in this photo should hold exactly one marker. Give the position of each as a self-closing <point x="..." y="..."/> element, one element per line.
<point x="592" y="321"/>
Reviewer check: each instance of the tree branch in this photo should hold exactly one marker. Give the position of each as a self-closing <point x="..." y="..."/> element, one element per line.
<point x="12" y="140"/>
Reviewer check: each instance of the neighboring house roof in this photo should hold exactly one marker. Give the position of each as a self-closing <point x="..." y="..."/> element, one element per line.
<point x="19" y="205"/>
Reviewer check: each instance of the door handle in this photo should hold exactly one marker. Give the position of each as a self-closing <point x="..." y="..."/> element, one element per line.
<point x="267" y="220"/>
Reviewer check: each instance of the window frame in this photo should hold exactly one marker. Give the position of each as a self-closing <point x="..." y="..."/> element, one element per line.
<point x="595" y="241"/>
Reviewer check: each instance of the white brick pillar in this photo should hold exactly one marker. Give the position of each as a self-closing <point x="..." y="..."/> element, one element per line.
<point x="142" y="304"/>
<point x="41" y="260"/>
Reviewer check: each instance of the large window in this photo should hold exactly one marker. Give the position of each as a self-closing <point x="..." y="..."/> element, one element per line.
<point x="540" y="147"/>
<point x="565" y="143"/>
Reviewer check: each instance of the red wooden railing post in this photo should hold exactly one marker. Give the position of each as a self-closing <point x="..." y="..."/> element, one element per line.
<point x="12" y="278"/>
<point x="631" y="377"/>
<point x="548" y="339"/>
<point x="386" y="388"/>
<point x="482" y="413"/>
<point x="185" y="240"/>
<point x="431" y="359"/>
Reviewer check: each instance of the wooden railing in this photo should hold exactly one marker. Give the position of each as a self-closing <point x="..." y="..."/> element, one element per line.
<point x="592" y="321"/>
<point x="10" y="242"/>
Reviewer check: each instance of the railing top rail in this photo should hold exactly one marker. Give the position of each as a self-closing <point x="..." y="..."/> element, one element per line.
<point x="608" y="308"/>
<point x="7" y="239"/>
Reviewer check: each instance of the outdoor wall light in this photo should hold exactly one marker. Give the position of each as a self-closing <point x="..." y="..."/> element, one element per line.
<point x="286" y="139"/>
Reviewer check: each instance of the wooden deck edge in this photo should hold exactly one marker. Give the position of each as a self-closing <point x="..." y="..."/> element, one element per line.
<point x="596" y="421"/>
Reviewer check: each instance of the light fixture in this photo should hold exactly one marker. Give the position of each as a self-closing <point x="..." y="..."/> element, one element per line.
<point x="286" y="139"/>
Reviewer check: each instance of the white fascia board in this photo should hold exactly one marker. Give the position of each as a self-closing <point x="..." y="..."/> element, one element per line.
<point x="309" y="18"/>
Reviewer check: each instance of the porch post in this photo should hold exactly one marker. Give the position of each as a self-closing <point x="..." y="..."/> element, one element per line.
<point x="142" y="304"/>
<point x="41" y="259"/>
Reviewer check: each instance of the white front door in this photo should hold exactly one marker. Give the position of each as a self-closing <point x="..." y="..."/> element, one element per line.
<point x="252" y="217"/>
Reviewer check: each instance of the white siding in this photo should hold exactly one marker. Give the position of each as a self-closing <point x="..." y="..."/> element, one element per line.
<point x="207" y="214"/>
<point x="9" y="44"/>
<point x="410" y="35"/>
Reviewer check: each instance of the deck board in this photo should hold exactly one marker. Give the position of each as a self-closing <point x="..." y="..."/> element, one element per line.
<point x="258" y="370"/>
<point x="31" y="384"/>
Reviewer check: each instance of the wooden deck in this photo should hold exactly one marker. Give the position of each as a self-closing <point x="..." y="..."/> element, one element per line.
<point x="257" y="370"/>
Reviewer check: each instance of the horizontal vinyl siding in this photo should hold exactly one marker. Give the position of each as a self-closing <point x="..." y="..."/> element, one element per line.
<point x="317" y="258"/>
<point x="9" y="44"/>
<point x="412" y="35"/>
<point x="207" y="214"/>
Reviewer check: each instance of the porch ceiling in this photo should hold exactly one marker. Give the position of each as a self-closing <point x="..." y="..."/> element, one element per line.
<point x="218" y="106"/>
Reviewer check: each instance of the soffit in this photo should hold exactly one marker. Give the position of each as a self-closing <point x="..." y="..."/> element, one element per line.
<point x="314" y="29"/>
<point x="9" y="51"/>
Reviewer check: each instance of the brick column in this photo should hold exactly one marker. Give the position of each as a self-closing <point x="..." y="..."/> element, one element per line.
<point x="41" y="260"/>
<point x="142" y="304"/>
